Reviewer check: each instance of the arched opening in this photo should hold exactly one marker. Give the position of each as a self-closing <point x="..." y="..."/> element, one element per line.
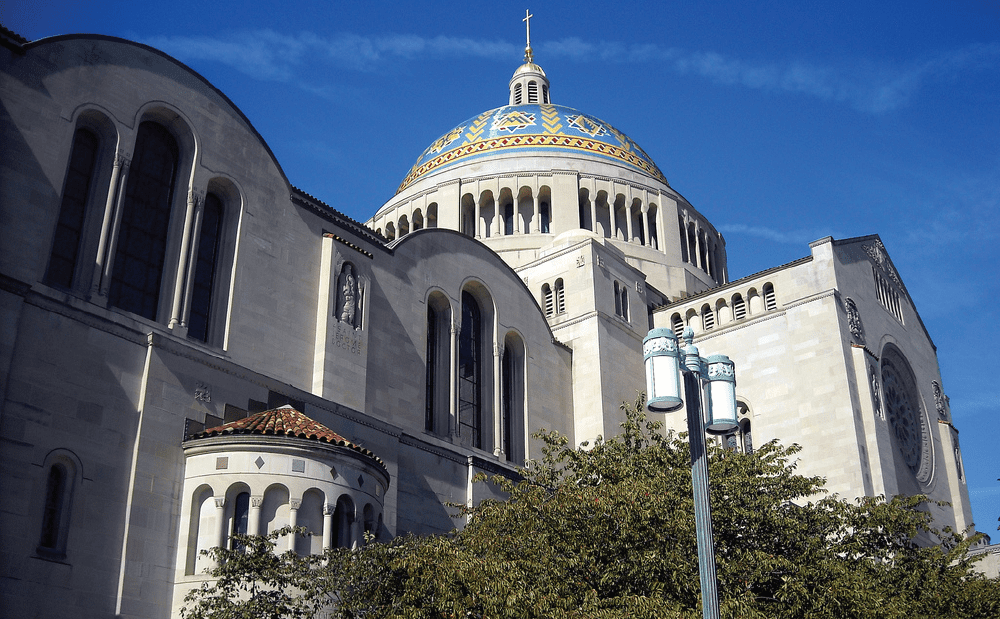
<point x="653" y="234"/>
<point x="692" y="244"/>
<point x="532" y="92"/>
<point x="205" y="267"/>
<point x="438" y="364"/>
<point x="621" y="218"/>
<point x="544" y="209"/>
<point x="77" y="190"/>
<point x="142" y="235"/>
<point x="512" y="398"/>
<point x="370" y="522"/>
<point x="202" y="530"/>
<point x="275" y="509"/>
<point x="404" y="226"/>
<point x="343" y="521"/>
<point x="310" y="516"/>
<point x="487" y="215"/>
<point x="723" y="313"/>
<point x="677" y="324"/>
<point x="524" y="213"/>
<point x="241" y="520"/>
<point x="547" y="300"/>
<point x="770" y="302"/>
<point x="684" y="239"/>
<point x="756" y="306"/>
<point x="470" y="372"/>
<point x="603" y="215"/>
<point x="432" y="215"/>
<point x="507" y="211"/>
<point x="638" y="222"/>
<point x="693" y="320"/>
<point x="703" y="251"/>
<point x="586" y="217"/>
<point x="560" y="294"/>
<point x="517" y="94"/>
<point x="418" y="220"/>
<point x="468" y="215"/>
<point x="390" y="231"/>
<point x="739" y="307"/>
<point x="707" y="317"/>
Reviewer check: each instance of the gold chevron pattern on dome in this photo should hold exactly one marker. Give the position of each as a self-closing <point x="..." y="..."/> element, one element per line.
<point x="533" y="127"/>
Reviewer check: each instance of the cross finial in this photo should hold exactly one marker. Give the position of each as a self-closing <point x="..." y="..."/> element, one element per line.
<point x="527" y="27"/>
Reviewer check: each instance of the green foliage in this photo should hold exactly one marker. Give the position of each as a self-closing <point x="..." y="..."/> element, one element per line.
<point x="607" y="530"/>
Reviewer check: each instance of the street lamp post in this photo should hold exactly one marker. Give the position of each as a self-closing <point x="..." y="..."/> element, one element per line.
<point x="715" y="374"/>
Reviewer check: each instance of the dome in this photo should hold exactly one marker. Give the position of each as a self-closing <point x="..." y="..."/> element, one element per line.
<point x="532" y="129"/>
<point x="529" y="67"/>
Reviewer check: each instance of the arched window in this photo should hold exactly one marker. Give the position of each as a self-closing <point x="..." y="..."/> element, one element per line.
<point x="512" y="399"/>
<point x="205" y="267"/>
<point x="618" y="299"/>
<point x="707" y="317"/>
<point x="684" y="241"/>
<point x="72" y="212"/>
<point x="370" y="522"/>
<point x="560" y="297"/>
<point x="677" y="324"/>
<point x="517" y="94"/>
<point x="418" y="220"/>
<point x="438" y="365"/>
<point x="770" y="303"/>
<point x="343" y="518"/>
<point x="547" y="303"/>
<point x="55" y="506"/>
<point x="390" y="231"/>
<point x="624" y="303"/>
<point x="142" y="237"/>
<point x="470" y="370"/>
<point x="532" y="92"/>
<point x="545" y="93"/>
<point x="739" y="307"/>
<point x="746" y="438"/>
<point x="241" y="518"/>
<point x="404" y="226"/>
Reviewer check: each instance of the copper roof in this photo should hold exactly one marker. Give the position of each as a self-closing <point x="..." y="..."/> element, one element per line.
<point x="285" y="421"/>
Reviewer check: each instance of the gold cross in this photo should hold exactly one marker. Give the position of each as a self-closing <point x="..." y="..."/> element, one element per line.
<point x="527" y="24"/>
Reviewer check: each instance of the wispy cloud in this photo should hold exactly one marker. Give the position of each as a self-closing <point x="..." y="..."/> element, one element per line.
<point x="790" y="237"/>
<point x="866" y="86"/>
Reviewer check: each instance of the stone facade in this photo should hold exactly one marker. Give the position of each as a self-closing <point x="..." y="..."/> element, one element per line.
<point x="160" y="277"/>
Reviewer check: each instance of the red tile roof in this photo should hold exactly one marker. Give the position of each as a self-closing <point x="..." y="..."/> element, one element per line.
<point x="285" y="421"/>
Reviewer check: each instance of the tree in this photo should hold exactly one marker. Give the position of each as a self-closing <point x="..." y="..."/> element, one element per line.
<point x="607" y="531"/>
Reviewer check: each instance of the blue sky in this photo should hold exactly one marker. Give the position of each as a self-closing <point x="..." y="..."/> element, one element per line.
<point x="782" y="123"/>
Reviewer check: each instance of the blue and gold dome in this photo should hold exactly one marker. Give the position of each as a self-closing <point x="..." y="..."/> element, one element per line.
<point x="529" y="130"/>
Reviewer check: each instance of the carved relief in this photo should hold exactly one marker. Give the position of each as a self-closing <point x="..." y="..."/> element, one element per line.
<point x="876" y="393"/>
<point x="854" y="321"/>
<point x="876" y="251"/>
<point x="203" y="392"/>
<point x="939" y="400"/>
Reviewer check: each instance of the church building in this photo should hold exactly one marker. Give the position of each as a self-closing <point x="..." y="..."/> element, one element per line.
<point x="191" y="347"/>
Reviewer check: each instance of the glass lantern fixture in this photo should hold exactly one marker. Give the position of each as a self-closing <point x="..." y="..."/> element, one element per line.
<point x="662" y="356"/>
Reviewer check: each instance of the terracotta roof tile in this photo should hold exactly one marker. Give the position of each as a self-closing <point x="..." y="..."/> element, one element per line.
<point x="285" y="421"/>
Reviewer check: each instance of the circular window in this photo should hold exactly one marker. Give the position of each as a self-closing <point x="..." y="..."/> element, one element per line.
<point x="906" y="417"/>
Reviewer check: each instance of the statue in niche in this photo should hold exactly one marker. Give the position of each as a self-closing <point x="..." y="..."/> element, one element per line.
<point x="347" y="293"/>
<point x="854" y="321"/>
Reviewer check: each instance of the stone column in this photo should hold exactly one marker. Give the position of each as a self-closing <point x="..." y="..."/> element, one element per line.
<point x="479" y="213"/>
<point x="453" y="387"/>
<point x="187" y="260"/>
<point x="109" y="230"/>
<point x="328" y="511"/>
<point x="613" y="218"/>
<point x="628" y="222"/>
<point x="536" y="215"/>
<point x="220" y="520"/>
<point x="253" y="526"/>
<point x="293" y="520"/>
<point x="497" y="410"/>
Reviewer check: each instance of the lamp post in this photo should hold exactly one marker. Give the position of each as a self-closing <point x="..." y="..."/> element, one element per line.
<point x="665" y="363"/>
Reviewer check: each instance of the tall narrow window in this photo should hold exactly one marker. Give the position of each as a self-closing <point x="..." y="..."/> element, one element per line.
<point x="707" y="317"/>
<point x="739" y="307"/>
<point x="142" y="238"/>
<point x="545" y="93"/>
<point x="677" y="324"/>
<point x="517" y="94"/>
<point x="470" y="368"/>
<point x="205" y="267"/>
<point x="770" y="303"/>
<point x="507" y="397"/>
<point x="532" y="92"/>
<point x="547" y="299"/>
<point x="72" y="212"/>
<point x="543" y="214"/>
<point x="618" y="299"/>
<point x="343" y="518"/>
<point x="508" y="218"/>
<point x="432" y="362"/>
<point x="746" y="436"/>
<point x="241" y="518"/>
<point x="52" y="516"/>
<point x="560" y="297"/>
<point x="684" y="240"/>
